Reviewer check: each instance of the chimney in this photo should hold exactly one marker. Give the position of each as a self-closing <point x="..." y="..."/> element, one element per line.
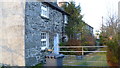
<point x="62" y="2"/>
<point x="48" y="1"/>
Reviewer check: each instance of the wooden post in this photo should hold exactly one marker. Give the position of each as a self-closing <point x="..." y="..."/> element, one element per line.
<point x="82" y="51"/>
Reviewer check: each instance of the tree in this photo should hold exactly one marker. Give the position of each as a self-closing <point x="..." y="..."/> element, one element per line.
<point x="109" y="37"/>
<point x="76" y="29"/>
<point x="75" y="22"/>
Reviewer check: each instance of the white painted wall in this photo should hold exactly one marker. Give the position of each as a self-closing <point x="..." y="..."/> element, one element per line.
<point x="12" y="32"/>
<point x="119" y="9"/>
<point x="0" y="32"/>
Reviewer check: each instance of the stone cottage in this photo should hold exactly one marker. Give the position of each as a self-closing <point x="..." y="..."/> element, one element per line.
<point x="28" y="29"/>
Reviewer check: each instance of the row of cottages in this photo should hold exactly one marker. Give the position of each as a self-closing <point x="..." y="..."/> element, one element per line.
<point x="89" y="29"/>
<point x="28" y="29"/>
<point x="86" y="35"/>
<point x="88" y="32"/>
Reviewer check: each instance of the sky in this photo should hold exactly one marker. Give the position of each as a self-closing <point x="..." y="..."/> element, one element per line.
<point x="94" y="10"/>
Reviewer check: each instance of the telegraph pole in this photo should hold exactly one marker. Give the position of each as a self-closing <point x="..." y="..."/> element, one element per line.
<point x="102" y="24"/>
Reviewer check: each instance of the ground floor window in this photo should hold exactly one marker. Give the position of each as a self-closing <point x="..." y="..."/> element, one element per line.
<point x="44" y="39"/>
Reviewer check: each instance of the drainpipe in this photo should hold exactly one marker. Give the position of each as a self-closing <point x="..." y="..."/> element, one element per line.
<point x="63" y="28"/>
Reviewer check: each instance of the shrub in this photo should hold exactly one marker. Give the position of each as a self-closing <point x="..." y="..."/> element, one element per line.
<point x="72" y="42"/>
<point x="113" y="50"/>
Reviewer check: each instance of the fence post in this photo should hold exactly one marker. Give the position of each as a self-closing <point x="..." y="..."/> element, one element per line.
<point x="82" y="51"/>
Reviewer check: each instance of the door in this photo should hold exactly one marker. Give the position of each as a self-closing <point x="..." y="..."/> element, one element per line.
<point x="56" y="44"/>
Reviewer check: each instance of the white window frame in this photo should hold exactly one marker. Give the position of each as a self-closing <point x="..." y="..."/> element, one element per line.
<point x="46" y="39"/>
<point x="65" y="19"/>
<point x="44" y="11"/>
<point x="118" y="25"/>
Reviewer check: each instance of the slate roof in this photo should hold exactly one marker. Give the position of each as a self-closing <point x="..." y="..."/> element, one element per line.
<point x="54" y="5"/>
<point x="89" y="25"/>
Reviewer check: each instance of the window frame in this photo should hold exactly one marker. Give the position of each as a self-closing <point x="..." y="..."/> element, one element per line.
<point x="44" y="11"/>
<point x="44" y="38"/>
<point x="65" y="19"/>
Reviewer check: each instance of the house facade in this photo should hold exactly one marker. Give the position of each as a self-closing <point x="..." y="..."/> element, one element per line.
<point x="88" y="30"/>
<point x="44" y="24"/>
<point x="28" y="30"/>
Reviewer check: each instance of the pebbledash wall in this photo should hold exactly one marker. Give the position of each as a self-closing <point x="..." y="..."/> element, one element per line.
<point x="20" y="35"/>
<point x="12" y="33"/>
<point x="34" y="25"/>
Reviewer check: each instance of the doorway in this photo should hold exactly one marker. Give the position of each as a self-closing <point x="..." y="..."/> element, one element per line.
<point x="56" y="43"/>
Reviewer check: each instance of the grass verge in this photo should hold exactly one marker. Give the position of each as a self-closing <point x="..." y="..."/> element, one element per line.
<point x="94" y="59"/>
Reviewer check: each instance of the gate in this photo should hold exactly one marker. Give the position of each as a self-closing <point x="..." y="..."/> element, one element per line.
<point x="94" y="58"/>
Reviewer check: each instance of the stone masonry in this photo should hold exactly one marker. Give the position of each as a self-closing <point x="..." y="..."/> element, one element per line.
<point x="34" y="25"/>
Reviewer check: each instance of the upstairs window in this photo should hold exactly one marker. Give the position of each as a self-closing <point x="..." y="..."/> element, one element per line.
<point x="44" y="11"/>
<point x="65" y="19"/>
<point x="118" y="25"/>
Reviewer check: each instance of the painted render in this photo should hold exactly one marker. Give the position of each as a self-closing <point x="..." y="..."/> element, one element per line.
<point x="12" y="33"/>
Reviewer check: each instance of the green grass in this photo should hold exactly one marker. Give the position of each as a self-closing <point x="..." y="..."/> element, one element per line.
<point x="89" y="60"/>
<point x="38" y="66"/>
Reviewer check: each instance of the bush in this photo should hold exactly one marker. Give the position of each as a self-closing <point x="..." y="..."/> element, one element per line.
<point x="62" y="44"/>
<point x="40" y="65"/>
<point x="113" y="50"/>
<point x="72" y="42"/>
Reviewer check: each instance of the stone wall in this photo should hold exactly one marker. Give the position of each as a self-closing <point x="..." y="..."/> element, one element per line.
<point x="12" y="33"/>
<point x="34" y="25"/>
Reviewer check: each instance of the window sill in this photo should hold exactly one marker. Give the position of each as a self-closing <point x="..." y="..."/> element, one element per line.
<point x="45" y="17"/>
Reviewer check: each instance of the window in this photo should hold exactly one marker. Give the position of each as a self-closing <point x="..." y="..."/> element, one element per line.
<point x="44" y="39"/>
<point x="44" y="11"/>
<point x="118" y="25"/>
<point x="78" y="36"/>
<point x="65" y="19"/>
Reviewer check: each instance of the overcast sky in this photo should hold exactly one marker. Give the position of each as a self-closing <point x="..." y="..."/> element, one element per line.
<point x="93" y="10"/>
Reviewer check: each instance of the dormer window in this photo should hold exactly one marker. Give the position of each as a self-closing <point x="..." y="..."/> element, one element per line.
<point x="44" y="11"/>
<point x="65" y="19"/>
